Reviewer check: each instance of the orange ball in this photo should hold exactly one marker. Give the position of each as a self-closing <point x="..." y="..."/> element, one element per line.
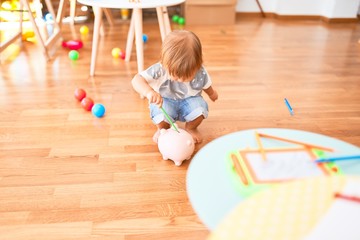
<point x="79" y="94"/>
<point x="87" y="103"/>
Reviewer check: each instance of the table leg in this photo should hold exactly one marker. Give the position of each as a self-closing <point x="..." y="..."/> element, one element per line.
<point x="130" y="39"/>
<point x="160" y="17"/>
<point x="166" y="20"/>
<point x="95" y="44"/>
<point x="138" y="38"/>
<point x="72" y="11"/>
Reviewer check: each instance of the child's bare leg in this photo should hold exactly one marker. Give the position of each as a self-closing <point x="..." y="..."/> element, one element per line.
<point x="191" y="127"/>
<point x="161" y="125"/>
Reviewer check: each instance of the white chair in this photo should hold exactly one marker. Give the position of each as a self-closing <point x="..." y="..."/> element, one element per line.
<point x="46" y="42"/>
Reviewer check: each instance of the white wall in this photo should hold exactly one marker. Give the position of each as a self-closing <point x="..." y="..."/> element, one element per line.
<point x="326" y="8"/>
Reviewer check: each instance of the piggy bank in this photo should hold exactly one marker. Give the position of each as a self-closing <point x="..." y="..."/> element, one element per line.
<point x="177" y="146"/>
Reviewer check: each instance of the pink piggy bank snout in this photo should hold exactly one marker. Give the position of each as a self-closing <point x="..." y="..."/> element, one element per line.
<point x="176" y="146"/>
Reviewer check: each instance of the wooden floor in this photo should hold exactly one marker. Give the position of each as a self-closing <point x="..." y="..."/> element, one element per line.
<point x="65" y="174"/>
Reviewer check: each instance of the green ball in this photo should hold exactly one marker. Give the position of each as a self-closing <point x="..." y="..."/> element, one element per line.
<point x="74" y="55"/>
<point x="175" y="18"/>
<point x="181" y="21"/>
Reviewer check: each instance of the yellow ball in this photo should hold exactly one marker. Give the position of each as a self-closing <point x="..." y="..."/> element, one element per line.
<point x="84" y="30"/>
<point x="115" y="52"/>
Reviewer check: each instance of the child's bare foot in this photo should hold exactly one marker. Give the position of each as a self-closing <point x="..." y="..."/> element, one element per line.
<point x="195" y="134"/>
<point x="156" y="136"/>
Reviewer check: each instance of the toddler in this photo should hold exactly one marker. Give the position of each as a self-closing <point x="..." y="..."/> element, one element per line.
<point x="176" y="84"/>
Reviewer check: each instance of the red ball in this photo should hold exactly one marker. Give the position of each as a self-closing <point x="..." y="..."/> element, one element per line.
<point x="87" y="103"/>
<point x="79" y="94"/>
<point x="122" y="55"/>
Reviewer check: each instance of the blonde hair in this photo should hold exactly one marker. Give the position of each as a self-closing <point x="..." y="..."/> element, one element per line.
<point x="181" y="54"/>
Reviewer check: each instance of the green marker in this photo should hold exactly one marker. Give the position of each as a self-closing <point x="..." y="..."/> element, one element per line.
<point x="169" y="119"/>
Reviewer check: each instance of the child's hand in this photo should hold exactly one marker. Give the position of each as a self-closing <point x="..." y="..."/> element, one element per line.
<point x="154" y="97"/>
<point x="213" y="96"/>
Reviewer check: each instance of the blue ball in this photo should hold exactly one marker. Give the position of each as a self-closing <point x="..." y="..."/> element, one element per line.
<point x="98" y="110"/>
<point x="145" y="38"/>
<point x="48" y="17"/>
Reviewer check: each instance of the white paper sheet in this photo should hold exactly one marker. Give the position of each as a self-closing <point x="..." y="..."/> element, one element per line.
<point x="342" y="221"/>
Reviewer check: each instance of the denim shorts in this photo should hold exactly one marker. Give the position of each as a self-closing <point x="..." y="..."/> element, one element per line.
<point x="183" y="110"/>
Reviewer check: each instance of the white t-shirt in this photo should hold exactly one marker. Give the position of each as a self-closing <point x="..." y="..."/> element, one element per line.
<point x="159" y="79"/>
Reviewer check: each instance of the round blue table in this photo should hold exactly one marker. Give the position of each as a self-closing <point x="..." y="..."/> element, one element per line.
<point x="209" y="186"/>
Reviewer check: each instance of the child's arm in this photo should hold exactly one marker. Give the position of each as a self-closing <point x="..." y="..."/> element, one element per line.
<point x="143" y="88"/>
<point x="213" y="95"/>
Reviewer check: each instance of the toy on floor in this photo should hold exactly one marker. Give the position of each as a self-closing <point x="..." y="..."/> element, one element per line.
<point x="79" y="94"/>
<point x="84" y="30"/>
<point x="117" y="53"/>
<point x="87" y="103"/>
<point x="176" y="146"/>
<point x="255" y="169"/>
<point x="179" y="20"/>
<point x="98" y="110"/>
<point x="145" y="38"/>
<point x="74" y="55"/>
<point x="73" y="44"/>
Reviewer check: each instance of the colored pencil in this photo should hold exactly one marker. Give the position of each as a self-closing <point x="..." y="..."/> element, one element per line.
<point x="347" y="197"/>
<point x="296" y="142"/>
<point x="169" y="119"/>
<point x="288" y="106"/>
<point x="339" y="158"/>
<point x="239" y="169"/>
<point x="258" y="140"/>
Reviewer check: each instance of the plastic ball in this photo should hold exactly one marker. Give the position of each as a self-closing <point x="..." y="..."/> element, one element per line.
<point x="87" y="103"/>
<point x="175" y="18"/>
<point x="74" y="55"/>
<point x="122" y="55"/>
<point x="48" y="17"/>
<point x="79" y="94"/>
<point x="145" y="38"/>
<point x="115" y="52"/>
<point x="84" y="30"/>
<point x="181" y="21"/>
<point x="98" y="110"/>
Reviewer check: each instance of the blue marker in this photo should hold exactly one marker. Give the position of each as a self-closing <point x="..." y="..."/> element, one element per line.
<point x="340" y="158"/>
<point x="288" y="106"/>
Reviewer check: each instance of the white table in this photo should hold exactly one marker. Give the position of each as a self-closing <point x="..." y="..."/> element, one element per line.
<point x="135" y="29"/>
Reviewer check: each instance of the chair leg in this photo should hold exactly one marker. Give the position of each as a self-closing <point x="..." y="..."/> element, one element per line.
<point x="109" y="16"/>
<point x="45" y="44"/>
<point x="60" y="13"/>
<point x="261" y="9"/>
<point x="36" y="29"/>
